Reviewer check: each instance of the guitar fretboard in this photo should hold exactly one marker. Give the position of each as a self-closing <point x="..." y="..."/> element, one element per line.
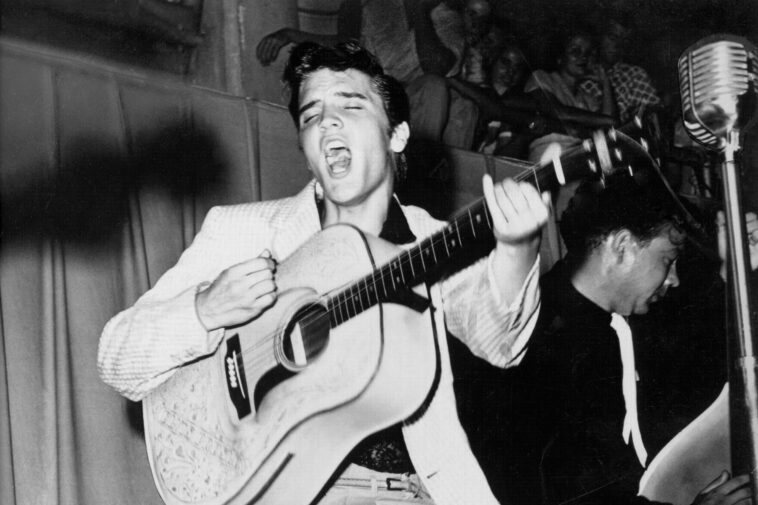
<point x="468" y="227"/>
<point x="411" y="266"/>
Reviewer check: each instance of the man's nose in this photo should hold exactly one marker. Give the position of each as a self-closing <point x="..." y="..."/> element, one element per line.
<point x="330" y="118"/>
<point x="672" y="279"/>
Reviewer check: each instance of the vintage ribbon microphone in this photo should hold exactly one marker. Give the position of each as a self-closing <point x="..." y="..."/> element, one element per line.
<point x="717" y="79"/>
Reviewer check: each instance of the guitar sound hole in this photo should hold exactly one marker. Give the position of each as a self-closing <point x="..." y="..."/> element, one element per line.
<point x="306" y="336"/>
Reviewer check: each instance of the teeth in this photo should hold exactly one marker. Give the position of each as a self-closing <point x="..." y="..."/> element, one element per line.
<point x="338" y="158"/>
<point x="334" y="151"/>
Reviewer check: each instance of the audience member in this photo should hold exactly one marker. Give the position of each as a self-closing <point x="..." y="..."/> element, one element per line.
<point x="633" y="89"/>
<point x="589" y="406"/>
<point x="575" y="63"/>
<point x="504" y="110"/>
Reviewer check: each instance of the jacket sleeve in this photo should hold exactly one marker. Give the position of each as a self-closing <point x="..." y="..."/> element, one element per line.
<point x="473" y="305"/>
<point x="141" y="347"/>
<point x="476" y="314"/>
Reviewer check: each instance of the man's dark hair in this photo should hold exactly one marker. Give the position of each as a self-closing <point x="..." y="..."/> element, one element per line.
<point x="309" y="57"/>
<point x="594" y="212"/>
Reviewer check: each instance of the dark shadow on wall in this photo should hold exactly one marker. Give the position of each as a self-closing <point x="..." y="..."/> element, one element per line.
<point x="85" y="200"/>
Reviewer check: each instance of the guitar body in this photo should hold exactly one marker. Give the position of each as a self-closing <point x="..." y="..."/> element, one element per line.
<point x="210" y="443"/>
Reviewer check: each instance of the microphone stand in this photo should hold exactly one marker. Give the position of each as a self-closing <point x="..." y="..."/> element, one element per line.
<point x="743" y="378"/>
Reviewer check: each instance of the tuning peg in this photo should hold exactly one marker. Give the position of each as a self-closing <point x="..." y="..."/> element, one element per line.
<point x="644" y="144"/>
<point x="631" y="170"/>
<point x="612" y="134"/>
<point x="617" y="154"/>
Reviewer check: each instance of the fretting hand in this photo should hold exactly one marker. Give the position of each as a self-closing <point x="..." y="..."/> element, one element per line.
<point x="518" y="211"/>
<point x="751" y="226"/>
<point x="240" y="293"/>
<point x="518" y="214"/>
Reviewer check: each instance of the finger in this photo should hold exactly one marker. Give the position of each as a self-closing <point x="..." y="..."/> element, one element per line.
<point x="267" y="52"/>
<point x="733" y="484"/>
<point x="506" y="203"/>
<point x="517" y="195"/>
<point x="264" y="301"/>
<point x="498" y="220"/>
<point x="263" y="49"/>
<point x="547" y="199"/>
<point x="251" y="266"/>
<point x="262" y="276"/>
<point x="538" y="206"/>
<point x="741" y="495"/>
<point x="723" y="477"/>
<point x="259" y="49"/>
<point x="261" y="288"/>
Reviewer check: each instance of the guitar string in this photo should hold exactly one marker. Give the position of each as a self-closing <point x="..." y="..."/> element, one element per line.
<point x="531" y="170"/>
<point x="413" y="253"/>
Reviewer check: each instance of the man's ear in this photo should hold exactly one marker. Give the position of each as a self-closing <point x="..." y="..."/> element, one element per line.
<point x="399" y="138"/>
<point x="622" y="244"/>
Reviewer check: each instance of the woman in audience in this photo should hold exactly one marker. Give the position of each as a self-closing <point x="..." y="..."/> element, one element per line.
<point x="575" y="64"/>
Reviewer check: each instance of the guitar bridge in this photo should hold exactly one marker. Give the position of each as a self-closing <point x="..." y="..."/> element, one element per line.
<point x="236" y="384"/>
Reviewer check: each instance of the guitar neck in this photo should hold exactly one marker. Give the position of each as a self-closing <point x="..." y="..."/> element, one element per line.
<point x="467" y="228"/>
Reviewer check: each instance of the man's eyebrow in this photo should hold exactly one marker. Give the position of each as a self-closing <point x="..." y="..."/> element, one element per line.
<point x="352" y="94"/>
<point x="307" y="106"/>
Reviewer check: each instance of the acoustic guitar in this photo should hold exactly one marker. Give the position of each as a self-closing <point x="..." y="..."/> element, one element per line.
<point x="348" y="349"/>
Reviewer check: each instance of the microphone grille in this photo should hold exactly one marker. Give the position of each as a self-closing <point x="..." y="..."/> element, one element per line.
<point x="715" y="75"/>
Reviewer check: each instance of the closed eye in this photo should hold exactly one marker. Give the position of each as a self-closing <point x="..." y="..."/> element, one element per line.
<point x="307" y="119"/>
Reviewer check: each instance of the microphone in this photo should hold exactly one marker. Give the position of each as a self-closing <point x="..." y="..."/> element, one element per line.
<point x="717" y="81"/>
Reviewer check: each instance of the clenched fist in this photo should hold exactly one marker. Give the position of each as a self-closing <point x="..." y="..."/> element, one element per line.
<point x="240" y="293"/>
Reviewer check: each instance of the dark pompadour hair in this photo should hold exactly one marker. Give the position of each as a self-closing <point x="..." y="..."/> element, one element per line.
<point x="309" y="57"/>
<point x="594" y="212"/>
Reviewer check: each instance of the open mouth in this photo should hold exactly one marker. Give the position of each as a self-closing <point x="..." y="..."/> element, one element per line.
<point x="338" y="157"/>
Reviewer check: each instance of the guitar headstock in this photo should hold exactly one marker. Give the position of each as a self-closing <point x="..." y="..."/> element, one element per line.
<point x="611" y="151"/>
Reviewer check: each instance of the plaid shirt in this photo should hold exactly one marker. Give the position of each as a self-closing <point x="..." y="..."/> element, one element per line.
<point x="632" y="88"/>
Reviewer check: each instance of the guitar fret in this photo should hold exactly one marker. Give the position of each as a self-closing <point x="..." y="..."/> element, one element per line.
<point x="372" y="290"/>
<point x="343" y="307"/>
<point x="471" y="222"/>
<point x="410" y="262"/>
<point x="392" y="277"/>
<point x="366" y="290"/>
<point x="352" y="301"/>
<point x="434" y="253"/>
<point x="399" y="266"/>
<point x="458" y="232"/>
<point x="444" y="241"/>
<point x="421" y="255"/>
<point x="335" y="316"/>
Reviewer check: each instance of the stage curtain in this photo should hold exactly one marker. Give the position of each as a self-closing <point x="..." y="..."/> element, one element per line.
<point x="105" y="176"/>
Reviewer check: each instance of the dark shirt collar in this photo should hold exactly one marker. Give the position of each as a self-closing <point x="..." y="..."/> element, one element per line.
<point x="395" y="228"/>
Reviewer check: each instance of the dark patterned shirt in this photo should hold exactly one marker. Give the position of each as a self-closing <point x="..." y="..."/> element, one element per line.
<point x="632" y="88"/>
